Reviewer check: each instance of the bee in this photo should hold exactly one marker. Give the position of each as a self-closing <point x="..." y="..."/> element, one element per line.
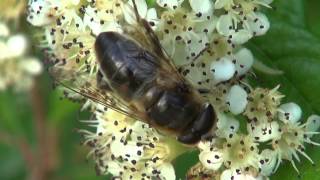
<point x="136" y="77"/>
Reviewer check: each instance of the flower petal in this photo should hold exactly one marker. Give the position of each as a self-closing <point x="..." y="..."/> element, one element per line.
<point x="223" y="69"/>
<point x="207" y="25"/>
<point x="31" y="65"/>
<point x="266" y="1"/>
<point x="290" y="112"/>
<point x="152" y="17"/>
<point x="172" y="4"/>
<point x="313" y="124"/>
<point x="226" y="175"/>
<point x="226" y="125"/>
<point x="259" y="24"/>
<point x="237" y="99"/>
<point x="129" y="150"/>
<point x="114" y="168"/>
<point x="221" y="3"/>
<point x="240" y="37"/>
<point x="211" y="159"/>
<point x="198" y="44"/>
<point x="17" y="45"/>
<point x="39" y="13"/>
<point x="4" y="30"/>
<point x="268" y="160"/>
<point x="167" y="171"/>
<point x="244" y="61"/>
<point x="233" y="175"/>
<point x="264" y="131"/>
<point x="203" y="6"/>
<point x="90" y="19"/>
<point x="224" y="25"/>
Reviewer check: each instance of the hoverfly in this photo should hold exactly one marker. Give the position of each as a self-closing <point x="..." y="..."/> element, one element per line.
<point x="137" y="78"/>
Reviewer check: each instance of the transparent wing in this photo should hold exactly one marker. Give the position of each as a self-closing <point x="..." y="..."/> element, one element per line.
<point x="151" y="42"/>
<point x="85" y="84"/>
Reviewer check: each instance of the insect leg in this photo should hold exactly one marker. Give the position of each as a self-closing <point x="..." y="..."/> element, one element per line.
<point x="189" y="137"/>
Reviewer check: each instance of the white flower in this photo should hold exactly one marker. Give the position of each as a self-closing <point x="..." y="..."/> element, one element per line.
<point x="223" y="69"/>
<point x="237" y="99"/>
<point x="233" y="175"/>
<point x="32" y="66"/>
<point x="132" y="148"/>
<point x="205" y="7"/>
<point x="148" y="14"/>
<point x="212" y="159"/>
<point x="263" y="104"/>
<point x="225" y="27"/>
<point x="244" y="61"/>
<point x="290" y="112"/>
<point x="45" y="12"/>
<point x="263" y="132"/>
<point x="258" y="24"/>
<point x="237" y="152"/>
<point x="93" y="21"/>
<point x="16" y="67"/>
<point x="17" y="45"/>
<point x="222" y="3"/>
<point x="172" y="4"/>
<point x="205" y="45"/>
<point x="241" y="21"/>
<point x="268" y="160"/>
<point x="4" y="30"/>
<point x="293" y="137"/>
<point x="227" y="125"/>
<point x="40" y="13"/>
<point x="313" y="124"/>
<point x="184" y="33"/>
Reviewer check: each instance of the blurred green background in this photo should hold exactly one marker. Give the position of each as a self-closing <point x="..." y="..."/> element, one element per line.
<point x="37" y="128"/>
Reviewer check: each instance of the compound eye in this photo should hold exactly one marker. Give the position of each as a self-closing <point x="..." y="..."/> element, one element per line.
<point x="205" y="120"/>
<point x="189" y="138"/>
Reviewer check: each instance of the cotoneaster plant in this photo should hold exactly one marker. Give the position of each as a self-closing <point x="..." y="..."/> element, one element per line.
<point x="256" y="130"/>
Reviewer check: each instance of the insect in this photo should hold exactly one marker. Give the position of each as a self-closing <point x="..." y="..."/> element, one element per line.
<point x="137" y="78"/>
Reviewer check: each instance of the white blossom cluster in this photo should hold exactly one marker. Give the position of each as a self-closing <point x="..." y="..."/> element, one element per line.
<point x="129" y="149"/>
<point x="205" y="41"/>
<point x="17" y="69"/>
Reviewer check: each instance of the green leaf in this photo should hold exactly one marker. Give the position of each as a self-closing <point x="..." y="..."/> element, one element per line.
<point x="289" y="11"/>
<point x="183" y="163"/>
<point x="151" y="3"/>
<point x="12" y="165"/>
<point x="16" y="114"/>
<point x="294" y="48"/>
<point x="60" y="109"/>
<point x="312" y="16"/>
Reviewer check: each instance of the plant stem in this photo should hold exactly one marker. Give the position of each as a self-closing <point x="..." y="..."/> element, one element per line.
<point x="44" y="165"/>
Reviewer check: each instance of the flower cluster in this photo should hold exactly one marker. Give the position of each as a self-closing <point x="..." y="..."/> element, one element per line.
<point x="205" y="41"/>
<point x="284" y="137"/>
<point x="17" y="69"/>
<point x="129" y="149"/>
